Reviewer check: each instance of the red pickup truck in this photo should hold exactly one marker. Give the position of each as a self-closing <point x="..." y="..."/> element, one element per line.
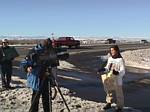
<point x="66" y="41"/>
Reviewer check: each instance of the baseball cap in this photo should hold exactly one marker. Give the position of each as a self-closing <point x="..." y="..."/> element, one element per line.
<point x="4" y="40"/>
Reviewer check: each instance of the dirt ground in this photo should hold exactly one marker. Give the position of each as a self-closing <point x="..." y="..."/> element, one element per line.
<point x="84" y="81"/>
<point x="136" y="82"/>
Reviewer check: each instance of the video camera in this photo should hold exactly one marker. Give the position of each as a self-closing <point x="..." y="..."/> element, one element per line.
<point x="41" y="56"/>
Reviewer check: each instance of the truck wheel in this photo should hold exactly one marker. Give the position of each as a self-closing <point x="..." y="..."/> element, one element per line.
<point x="77" y="46"/>
<point x="59" y="45"/>
<point x="70" y="47"/>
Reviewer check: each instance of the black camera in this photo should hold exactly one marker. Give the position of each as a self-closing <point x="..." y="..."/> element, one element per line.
<point x="41" y="56"/>
<point x="48" y="56"/>
<point x="45" y="57"/>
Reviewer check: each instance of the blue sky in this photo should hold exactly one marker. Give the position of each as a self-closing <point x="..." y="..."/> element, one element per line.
<point x="75" y="17"/>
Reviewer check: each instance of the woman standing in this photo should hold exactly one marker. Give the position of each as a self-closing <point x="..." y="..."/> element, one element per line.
<point x="115" y="64"/>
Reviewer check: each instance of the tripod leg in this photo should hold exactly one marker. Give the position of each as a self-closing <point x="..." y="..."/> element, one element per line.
<point x="50" y="96"/>
<point x="58" y="88"/>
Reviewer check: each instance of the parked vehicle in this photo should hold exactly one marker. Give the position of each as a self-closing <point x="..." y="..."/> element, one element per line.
<point x="144" y="41"/>
<point x="66" y="41"/>
<point x="110" y="41"/>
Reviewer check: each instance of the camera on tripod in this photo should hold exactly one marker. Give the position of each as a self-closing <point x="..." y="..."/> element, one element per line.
<point x="42" y="56"/>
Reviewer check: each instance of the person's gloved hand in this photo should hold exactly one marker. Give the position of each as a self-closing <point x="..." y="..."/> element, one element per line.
<point x="115" y="72"/>
<point x="101" y="70"/>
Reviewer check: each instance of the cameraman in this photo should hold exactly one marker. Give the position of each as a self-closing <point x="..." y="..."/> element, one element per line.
<point x="37" y="79"/>
<point x="7" y="55"/>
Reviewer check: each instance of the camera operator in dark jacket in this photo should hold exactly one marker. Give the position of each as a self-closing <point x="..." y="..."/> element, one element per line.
<point x="37" y="77"/>
<point x="7" y="55"/>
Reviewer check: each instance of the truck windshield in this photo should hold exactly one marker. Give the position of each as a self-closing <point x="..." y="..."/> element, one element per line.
<point x="61" y="38"/>
<point x="71" y="38"/>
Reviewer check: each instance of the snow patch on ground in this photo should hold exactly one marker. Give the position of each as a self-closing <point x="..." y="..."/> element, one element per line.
<point x="137" y="58"/>
<point x="18" y="100"/>
<point x="67" y="65"/>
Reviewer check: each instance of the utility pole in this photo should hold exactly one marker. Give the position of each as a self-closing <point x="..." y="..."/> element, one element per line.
<point x="52" y="34"/>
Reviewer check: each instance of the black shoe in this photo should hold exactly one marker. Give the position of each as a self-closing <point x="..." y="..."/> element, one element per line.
<point x="107" y="106"/>
<point x="3" y="88"/>
<point x="9" y="87"/>
<point x="118" y="110"/>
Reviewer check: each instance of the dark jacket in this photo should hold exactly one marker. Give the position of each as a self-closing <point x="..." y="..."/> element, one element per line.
<point x="7" y="54"/>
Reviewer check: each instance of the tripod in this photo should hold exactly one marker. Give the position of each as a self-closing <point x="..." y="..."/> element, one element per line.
<point x="52" y="82"/>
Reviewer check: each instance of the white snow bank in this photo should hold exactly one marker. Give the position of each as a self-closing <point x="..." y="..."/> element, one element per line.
<point x="137" y="58"/>
<point x="67" y="65"/>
